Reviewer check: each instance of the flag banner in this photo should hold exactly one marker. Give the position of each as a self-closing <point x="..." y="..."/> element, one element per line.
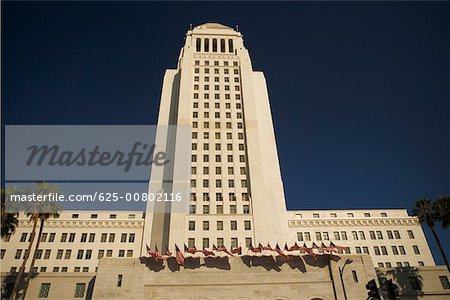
<point x="179" y="255"/>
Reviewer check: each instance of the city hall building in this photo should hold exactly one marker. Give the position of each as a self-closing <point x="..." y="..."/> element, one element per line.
<point x="236" y="202"/>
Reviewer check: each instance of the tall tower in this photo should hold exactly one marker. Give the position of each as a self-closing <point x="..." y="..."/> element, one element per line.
<point x="236" y="191"/>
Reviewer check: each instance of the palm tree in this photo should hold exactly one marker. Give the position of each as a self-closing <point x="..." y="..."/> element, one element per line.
<point x="15" y="290"/>
<point x="424" y="210"/>
<point x="9" y="220"/>
<point x="35" y="211"/>
<point x="44" y="210"/>
<point x="441" y="208"/>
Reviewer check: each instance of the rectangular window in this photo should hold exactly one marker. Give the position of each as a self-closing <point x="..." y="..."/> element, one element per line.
<point x="79" y="290"/>
<point x="344" y="235"/>
<point x="112" y="237"/>
<point x="44" y="290"/>
<point x="123" y="238"/>
<point x="247" y="225"/>
<point x="361" y="235"/>
<point x="121" y="253"/>
<point x="59" y="254"/>
<point x="390" y="235"/>
<point x="394" y="250"/>
<point x="191" y="243"/>
<point x="23" y="237"/>
<point x="307" y="236"/>
<point x="205" y="225"/>
<point x="416" y="249"/>
<point x="444" y="282"/>
<point x="410" y="234"/>
<point x="71" y="237"/>
<point x="384" y="250"/>
<point x="68" y="254"/>
<point x="104" y="237"/>
<point x="397" y="234"/>
<point x="336" y="235"/>
<point x="83" y="237"/>
<point x="51" y="238"/>
<point x="318" y="236"/>
<point x="355" y="276"/>
<point x="234" y="243"/>
<point x="379" y="235"/>
<point x="376" y="249"/>
<point x="233" y="225"/>
<point x="205" y="243"/>
<point x="131" y="237"/>
<point x="219" y="225"/>
<point x="129" y="253"/>
<point x="372" y="235"/>
<point x="80" y="254"/>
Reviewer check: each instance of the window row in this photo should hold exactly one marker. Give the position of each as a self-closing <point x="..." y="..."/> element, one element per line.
<point x="234" y="242"/>
<point x="226" y="71"/>
<point x="67" y="253"/>
<point x="214" y="45"/>
<point x="219" y="197"/>
<point x="226" y="79"/>
<point x="219" y="225"/>
<point x="217" y="135"/>
<point x="237" y="88"/>
<point x="356" y="235"/>
<point x="217" y="63"/>
<point x="217" y="96"/>
<point x="85" y="237"/>
<point x="218" y="183"/>
<point x="218" y="158"/>
<point x="350" y="215"/>
<point x="219" y="209"/>
<point x="216" y="115"/>
<point x="217" y="106"/>
<point x="218" y="147"/>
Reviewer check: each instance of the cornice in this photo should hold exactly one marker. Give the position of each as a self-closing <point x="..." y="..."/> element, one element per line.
<point x="353" y="222"/>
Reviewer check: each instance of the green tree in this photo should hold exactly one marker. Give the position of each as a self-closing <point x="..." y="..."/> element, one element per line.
<point x="441" y="208"/>
<point x="9" y="220"/>
<point x="426" y="212"/>
<point x="38" y="212"/>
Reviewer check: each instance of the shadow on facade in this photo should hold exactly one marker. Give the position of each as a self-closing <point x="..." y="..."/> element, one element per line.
<point x="8" y="284"/>
<point x="408" y="279"/>
<point x="267" y="262"/>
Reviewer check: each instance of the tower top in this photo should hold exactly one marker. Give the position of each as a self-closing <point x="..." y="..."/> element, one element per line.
<point x="213" y="26"/>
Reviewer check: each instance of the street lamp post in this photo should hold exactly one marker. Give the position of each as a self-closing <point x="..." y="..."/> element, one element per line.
<point x="341" y="272"/>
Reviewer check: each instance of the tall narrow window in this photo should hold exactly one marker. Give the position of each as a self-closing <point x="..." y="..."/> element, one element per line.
<point x="198" y="45"/>
<point x="206" y="46"/>
<point x="355" y="276"/>
<point x="230" y="46"/>
<point x="222" y="45"/>
<point x="214" y="46"/>
<point x="119" y="280"/>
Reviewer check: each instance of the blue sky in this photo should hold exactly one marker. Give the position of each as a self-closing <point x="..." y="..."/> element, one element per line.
<point x="359" y="91"/>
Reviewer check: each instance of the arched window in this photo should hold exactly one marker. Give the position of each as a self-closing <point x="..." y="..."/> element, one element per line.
<point x="230" y="46"/>
<point x="206" y="45"/>
<point x="214" y="45"/>
<point x="222" y="45"/>
<point x="198" y="45"/>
